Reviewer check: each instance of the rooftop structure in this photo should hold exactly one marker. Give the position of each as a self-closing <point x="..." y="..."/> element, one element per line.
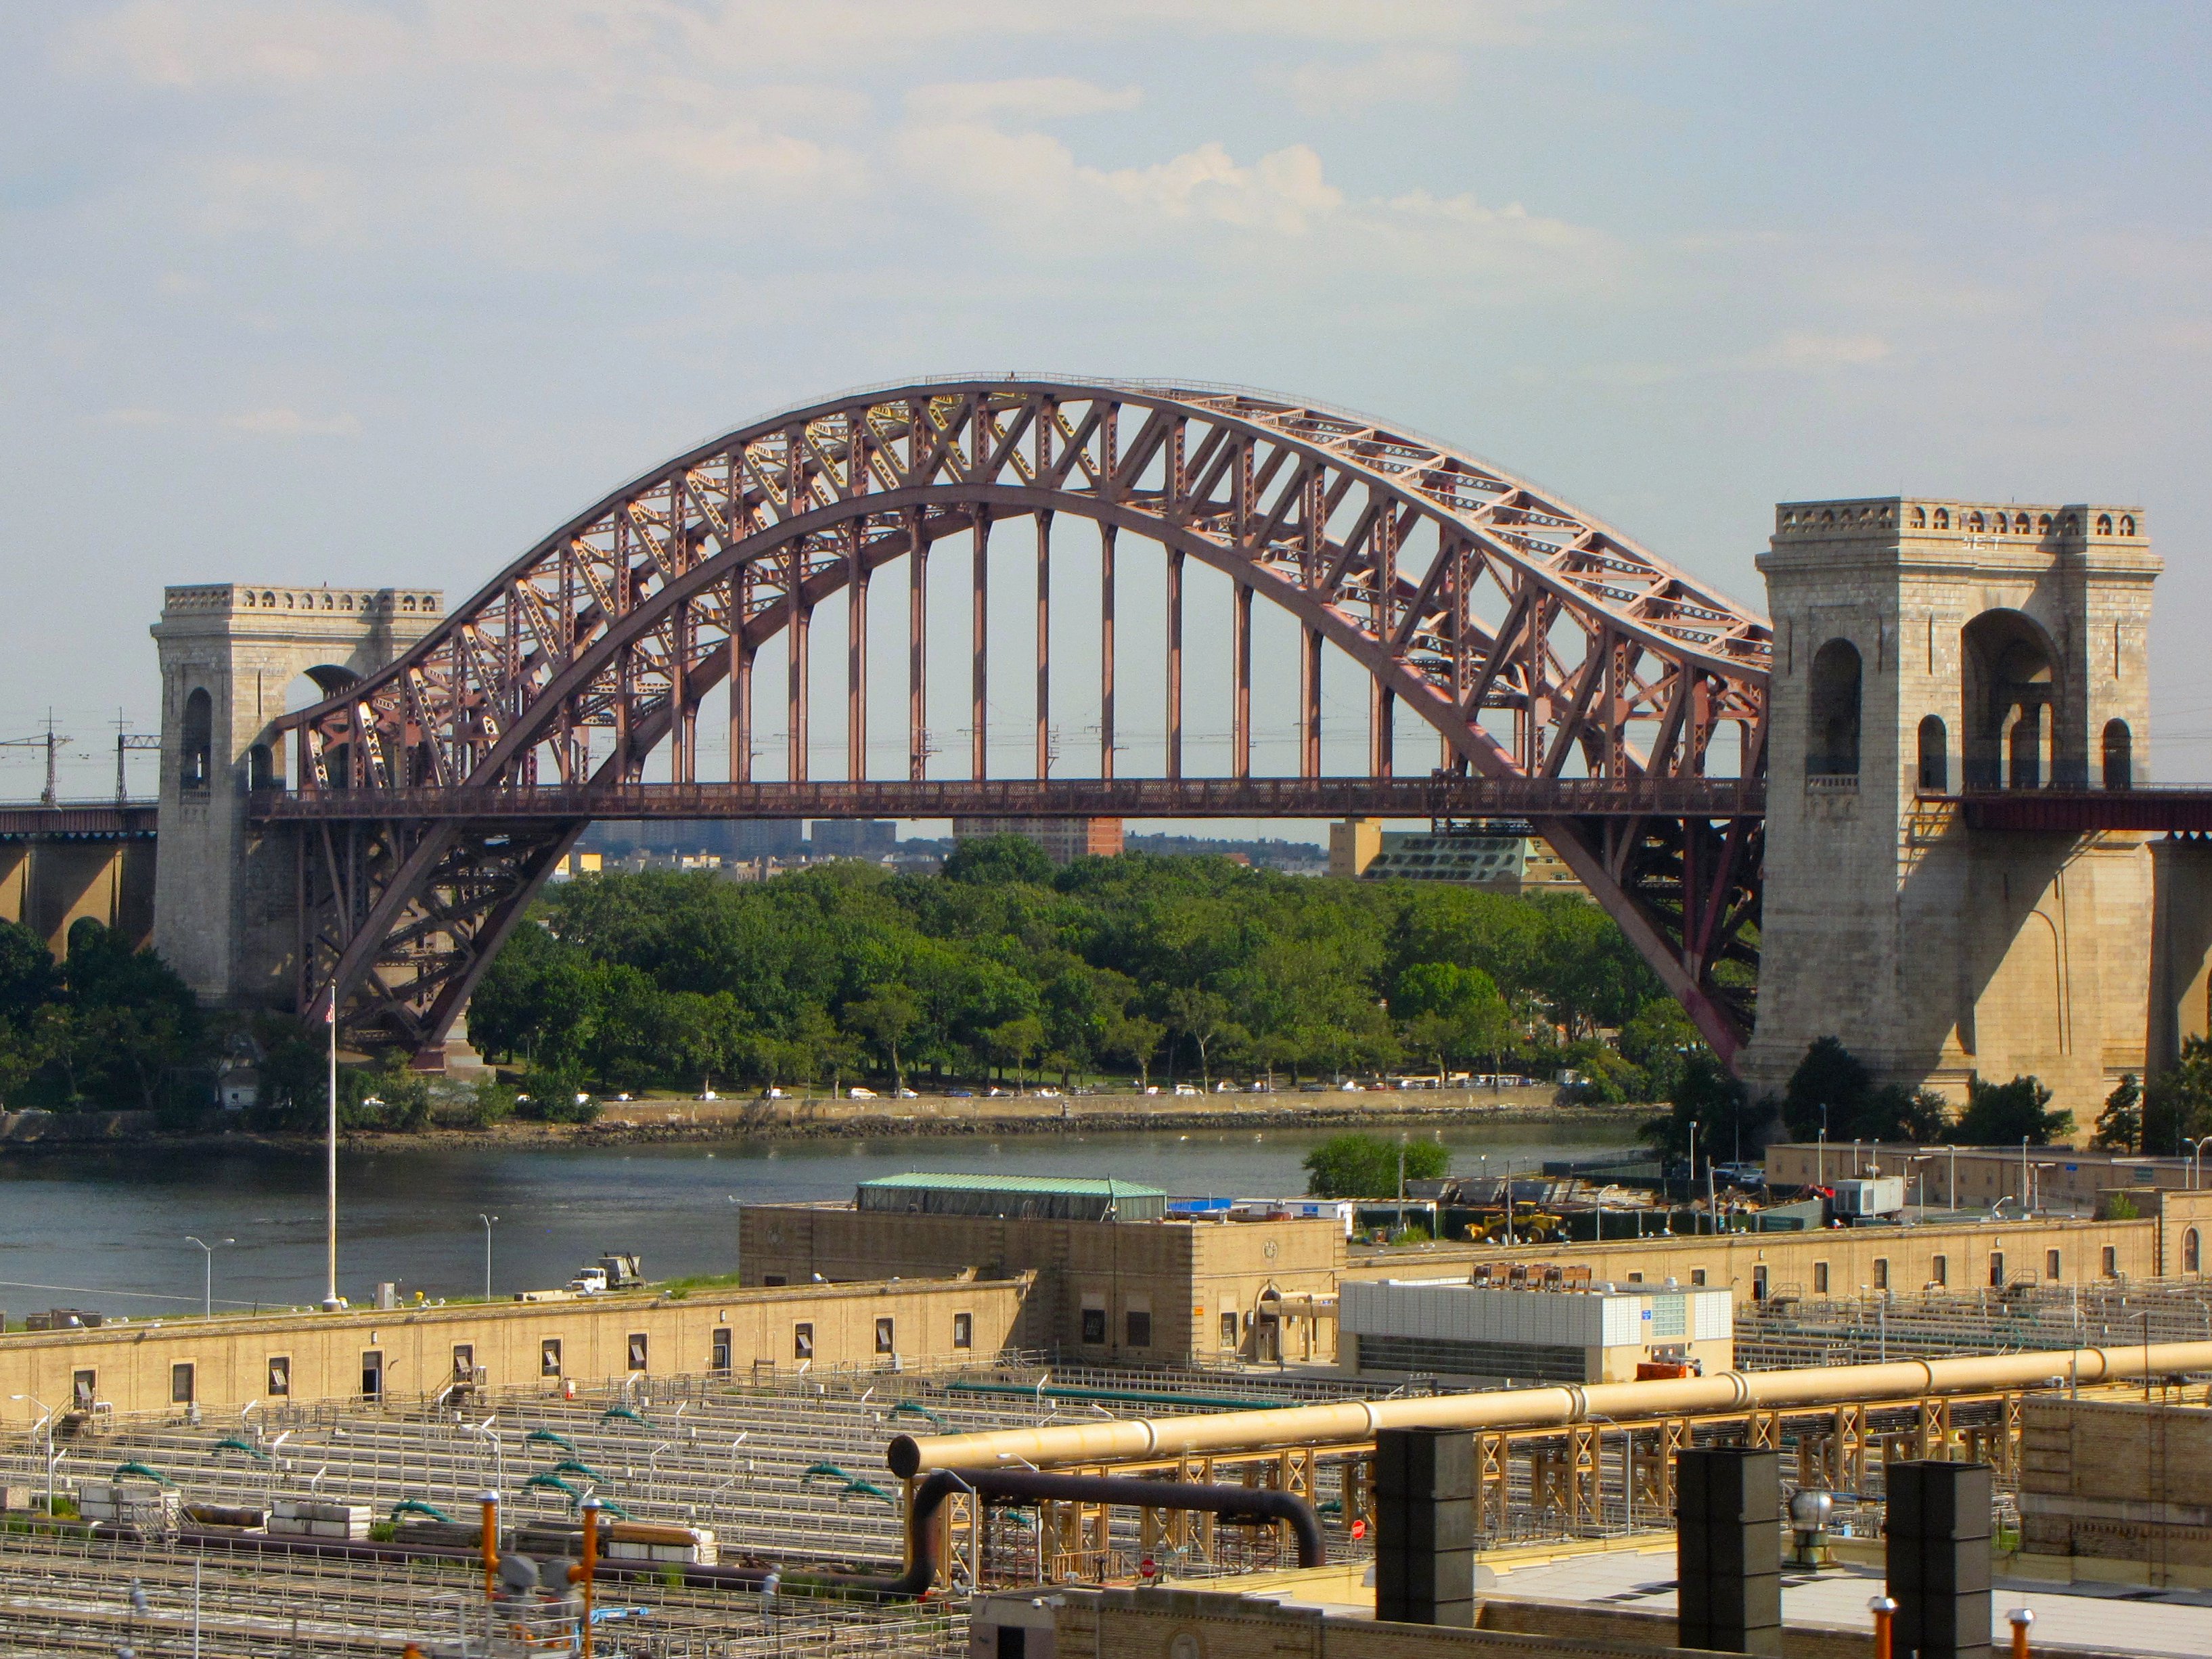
<point x="1026" y="1198"/>
<point x="1598" y="1333"/>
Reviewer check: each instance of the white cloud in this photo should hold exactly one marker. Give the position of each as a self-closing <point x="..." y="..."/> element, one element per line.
<point x="290" y="424"/>
<point x="1817" y="352"/>
<point x="1283" y="191"/>
<point x="1399" y="76"/>
<point x="1043" y="98"/>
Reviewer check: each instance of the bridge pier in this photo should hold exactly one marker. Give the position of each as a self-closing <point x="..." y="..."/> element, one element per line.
<point x="49" y="883"/>
<point x="1924" y="649"/>
<point x="226" y="907"/>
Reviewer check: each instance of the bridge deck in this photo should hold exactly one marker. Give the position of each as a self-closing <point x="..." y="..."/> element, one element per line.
<point x="1129" y="798"/>
<point x="2181" y="809"/>
<point x="79" y="821"/>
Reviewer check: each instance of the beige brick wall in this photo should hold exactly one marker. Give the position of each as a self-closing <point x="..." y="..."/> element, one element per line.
<point x="2117" y="1481"/>
<point x="1184" y="1275"/>
<point x="230" y="1356"/>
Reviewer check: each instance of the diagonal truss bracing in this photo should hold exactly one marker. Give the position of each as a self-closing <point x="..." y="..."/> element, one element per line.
<point x="1538" y="641"/>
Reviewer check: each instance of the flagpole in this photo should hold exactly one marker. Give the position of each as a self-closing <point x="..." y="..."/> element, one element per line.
<point x="331" y="1160"/>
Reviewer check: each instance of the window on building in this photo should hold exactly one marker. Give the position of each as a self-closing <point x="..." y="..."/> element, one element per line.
<point x="1137" y="1326"/>
<point x="964" y="1330"/>
<point x="1996" y="1268"/>
<point x="548" y="1357"/>
<point x="1094" y="1325"/>
<point x="1832" y="739"/>
<point x="464" y="1361"/>
<point x="280" y="1375"/>
<point x="1758" y="1282"/>
<point x="886" y="1337"/>
<point x="718" y="1353"/>
<point x="2192" y="1254"/>
<point x="2112" y="1262"/>
<point x="1820" y="1278"/>
<point x="2119" y="755"/>
<point x="1635" y="1278"/>
<point x="260" y="767"/>
<point x="1697" y="1275"/>
<point x="771" y="1281"/>
<point x="1229" y="1328"/>
<point x="637" y="1350"/>
<point x="180" y="1385"/>
<point x="1939" y="1270"/>
<point x="802" y="1342"/>
<point x="1935" y="757"/>
<point x="372" y="1376"/>
<point x="2052" y="1265"/>
<point x="84" y="1389"/>
<point x="1881" y="1272"/>
<point x="196" y="753"/>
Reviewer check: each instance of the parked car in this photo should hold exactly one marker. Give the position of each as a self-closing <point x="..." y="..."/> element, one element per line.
<point x="1185" y="1088"/>
<point x="907" y="1094"/>
<point x="860" y="1094"/>
<point x="960" y="1094"/>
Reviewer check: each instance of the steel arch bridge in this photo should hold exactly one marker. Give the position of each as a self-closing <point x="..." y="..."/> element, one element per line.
<point x="1576" y="679"/>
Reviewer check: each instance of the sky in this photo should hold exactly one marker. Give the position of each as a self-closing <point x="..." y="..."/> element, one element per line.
<point x="307" y="291"/>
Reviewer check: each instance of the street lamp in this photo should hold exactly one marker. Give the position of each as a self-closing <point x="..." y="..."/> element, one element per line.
<point x="487" y="1220"/>
<point x="47" y="1424"/>
<point x="2195" y="1162"/>
<point x="207" y="1302"/>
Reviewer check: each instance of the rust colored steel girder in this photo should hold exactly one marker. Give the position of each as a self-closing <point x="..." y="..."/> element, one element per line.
<point x="1442" y="795"/>
<point x="1539" y="642"/>
<point x="2175" y="811"/>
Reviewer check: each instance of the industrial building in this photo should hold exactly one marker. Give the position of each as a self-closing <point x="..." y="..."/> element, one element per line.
<point x="1476" y="1333"/>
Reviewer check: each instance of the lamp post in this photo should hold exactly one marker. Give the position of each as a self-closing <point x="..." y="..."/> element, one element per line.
<point x="487" y="1220"/>
<point x="2195" y="1162"/>
<point x="207" y="1298"/>
<point x="330" y="1159"/>
<point x="47" y="1424"/>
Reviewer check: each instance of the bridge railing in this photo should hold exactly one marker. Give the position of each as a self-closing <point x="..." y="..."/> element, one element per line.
<point x="1437" y="796"/>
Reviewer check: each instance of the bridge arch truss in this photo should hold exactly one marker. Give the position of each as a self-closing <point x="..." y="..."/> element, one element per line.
<point x="1555" y="657"/>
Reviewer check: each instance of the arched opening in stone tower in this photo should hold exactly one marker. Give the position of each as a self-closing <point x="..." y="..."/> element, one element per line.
<point x="2012" y="707"/>
<point x="1935" y="757"/>
<point x="196" y="747"/>
<point x="2119" y="755"/>
<point x="307" y="688"/>
<point x="1832" y="738"/>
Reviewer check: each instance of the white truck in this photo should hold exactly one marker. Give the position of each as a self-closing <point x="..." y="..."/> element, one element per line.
<point x="613" y="1273"/>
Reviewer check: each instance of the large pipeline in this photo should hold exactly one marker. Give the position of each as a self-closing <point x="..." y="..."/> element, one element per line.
<point x="929" y="1496"/>
<point x="1133" y="1439"/>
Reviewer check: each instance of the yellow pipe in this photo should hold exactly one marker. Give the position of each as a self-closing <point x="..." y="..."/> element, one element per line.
<point x="1136" y="1438"/>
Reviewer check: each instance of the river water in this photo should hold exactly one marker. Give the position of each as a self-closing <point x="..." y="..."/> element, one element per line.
<point x="107" y="1229"/>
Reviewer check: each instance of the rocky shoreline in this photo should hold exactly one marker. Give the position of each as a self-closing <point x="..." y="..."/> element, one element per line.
<point x="675" y="1122"/>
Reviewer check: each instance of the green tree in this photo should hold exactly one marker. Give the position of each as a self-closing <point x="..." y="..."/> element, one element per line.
<point x="2004" y="1114"/>
<point x="1826" y="1091"/>
<point x="2120" y="1124"/>
<point x="1135" y="1039"/>
<point x="991" y="859"/>
<point x="1354" y="1166"/>
<point x="1894" y="1113"/>
<point x="2176" y="1102"/>
<point x="1012" y="1044"/>
<point x="886" y="1019"/>
<point x="1204" y="1017"/>
<point x="1729" y="1124"/>
<point x="1659" y="1041"/>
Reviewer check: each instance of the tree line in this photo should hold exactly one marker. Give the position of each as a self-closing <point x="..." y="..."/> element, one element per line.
<point x="1137" y="967"/>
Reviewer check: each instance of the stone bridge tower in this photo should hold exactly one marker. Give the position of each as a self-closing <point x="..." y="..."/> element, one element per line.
<point x="1923" y="647"/>
<point x="226" y="900"/>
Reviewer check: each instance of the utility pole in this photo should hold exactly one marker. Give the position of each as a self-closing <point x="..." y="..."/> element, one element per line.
<point x="126" y="740"/>
<point x="51" y="742"/>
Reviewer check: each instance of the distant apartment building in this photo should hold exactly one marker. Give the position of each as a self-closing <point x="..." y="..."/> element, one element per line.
<point x="854" y="838"/>
<point x="1064" y="840"/>
<point x="1505" y="858"/>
